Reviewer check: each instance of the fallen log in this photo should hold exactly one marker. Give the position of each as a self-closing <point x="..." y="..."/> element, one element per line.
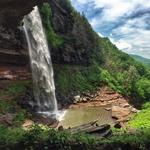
<point x="82" y="127"/>
<point x="92" y="128"/>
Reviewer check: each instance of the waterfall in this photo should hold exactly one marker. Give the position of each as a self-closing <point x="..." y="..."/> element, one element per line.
<point x="41" y="65"/>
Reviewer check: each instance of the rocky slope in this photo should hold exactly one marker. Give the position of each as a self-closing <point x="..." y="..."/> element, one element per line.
<point x="104" y="96"/>
<point x="79" y="40"/>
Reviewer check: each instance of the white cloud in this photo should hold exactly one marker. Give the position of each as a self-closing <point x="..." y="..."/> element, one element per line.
<point x="100" y="34"/>
<point x="133" y="39"/>
<point x="113" y="8"/>
<point x="118" y="20"/>
<point x="123" y="45"/>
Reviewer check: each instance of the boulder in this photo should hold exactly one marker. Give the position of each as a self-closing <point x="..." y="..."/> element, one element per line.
<point x="27" y="123"/>
<point x="119" y="112"/>
<point x="77" y="98"/>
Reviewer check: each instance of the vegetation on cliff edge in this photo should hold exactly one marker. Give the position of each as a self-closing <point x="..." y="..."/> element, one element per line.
<point x="108" y="65"/>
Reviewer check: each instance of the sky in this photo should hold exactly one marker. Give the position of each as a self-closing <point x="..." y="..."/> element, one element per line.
<point x="125" y="22"/>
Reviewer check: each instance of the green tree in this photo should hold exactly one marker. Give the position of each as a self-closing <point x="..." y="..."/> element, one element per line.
<point x="142" y="88"/>
<point x="131" y="77"/>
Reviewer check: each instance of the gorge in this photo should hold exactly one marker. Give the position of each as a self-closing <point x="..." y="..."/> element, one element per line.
<point x="89" y="72"/>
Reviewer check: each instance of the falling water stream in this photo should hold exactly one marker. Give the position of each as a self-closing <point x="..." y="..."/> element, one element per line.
<point x="42" y="70"/>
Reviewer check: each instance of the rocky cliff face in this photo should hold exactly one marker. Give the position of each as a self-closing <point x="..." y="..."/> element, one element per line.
<point x="78" y="39"/>
<point x="11" y="13"/>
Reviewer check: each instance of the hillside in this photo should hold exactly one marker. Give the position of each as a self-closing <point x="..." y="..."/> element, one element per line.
<point x="141" y="59"/>
<point x="87" y="60"/>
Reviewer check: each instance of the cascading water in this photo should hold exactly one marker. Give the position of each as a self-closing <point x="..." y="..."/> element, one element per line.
<point x="41" y="65"/>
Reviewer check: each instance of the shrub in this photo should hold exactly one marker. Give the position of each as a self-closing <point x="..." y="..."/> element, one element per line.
<point x="54" y="39"/>
<point x="141" y="119"/>
<point x="142" y="89"/>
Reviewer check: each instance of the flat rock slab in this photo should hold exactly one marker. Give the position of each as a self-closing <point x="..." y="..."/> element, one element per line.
<point x="120" y="112"/>
<point x="27" y="123"/>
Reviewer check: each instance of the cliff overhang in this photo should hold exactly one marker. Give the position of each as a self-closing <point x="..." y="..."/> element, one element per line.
<point x="12" y="11"/>
<point x="11" y="14"/>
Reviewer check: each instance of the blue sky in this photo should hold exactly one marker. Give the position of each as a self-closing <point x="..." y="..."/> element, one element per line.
<point x="125" y="22"/>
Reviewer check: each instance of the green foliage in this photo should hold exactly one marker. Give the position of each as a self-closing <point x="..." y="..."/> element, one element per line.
<point x="10" y="136"/>
<point x="108" y="65"/>
<point x="139" y="141"/>
<point x="8" y="96"/>
<point x="8" y="100"/>
<point x="16" y="88"/>
<point x="82" y="79"/>
<point x="72" y="78"/>
<point x="123" y="73"/>
<point x="6" y="106"/>
<point x="66" y="4"/>
<point x="143" y="60"/>
<point x="39" y="138"/>
<point x="54" y="39"/>
<point x="108" y="79"/>
<point x="143" y="89"/>
<point x="141" y="119"/>
<point x="19" y="118"/>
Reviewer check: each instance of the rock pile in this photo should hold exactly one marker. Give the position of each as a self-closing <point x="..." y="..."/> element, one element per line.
<point x="114" y="102"/>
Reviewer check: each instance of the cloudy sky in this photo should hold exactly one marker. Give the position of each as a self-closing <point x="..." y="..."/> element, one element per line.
<point x="125" y="22"/>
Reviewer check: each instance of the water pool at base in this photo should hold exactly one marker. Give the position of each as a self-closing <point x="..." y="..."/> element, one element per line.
<point x="79" y="116"/>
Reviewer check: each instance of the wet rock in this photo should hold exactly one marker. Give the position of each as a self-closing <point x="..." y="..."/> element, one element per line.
<point x="118" y="126"/>
<point x="84" y="100"/>
<point x="125" y="105"/>
<point x="7" y="77"/>
<point x="108" y="109"/>
<point x="88" y="98"/>
<point x="119" y="112"/>
<point x="60" y="128"/>
<point x="134" y="110"/>
<point x="27" y="123"/>
<point x="10" y="72"/>
<point x="25" y="101"/>
<point x="113" y="101"/>
<point x="45" y="120"/>
<point x="77" y="99"/>
<point x="110" y="92"/>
